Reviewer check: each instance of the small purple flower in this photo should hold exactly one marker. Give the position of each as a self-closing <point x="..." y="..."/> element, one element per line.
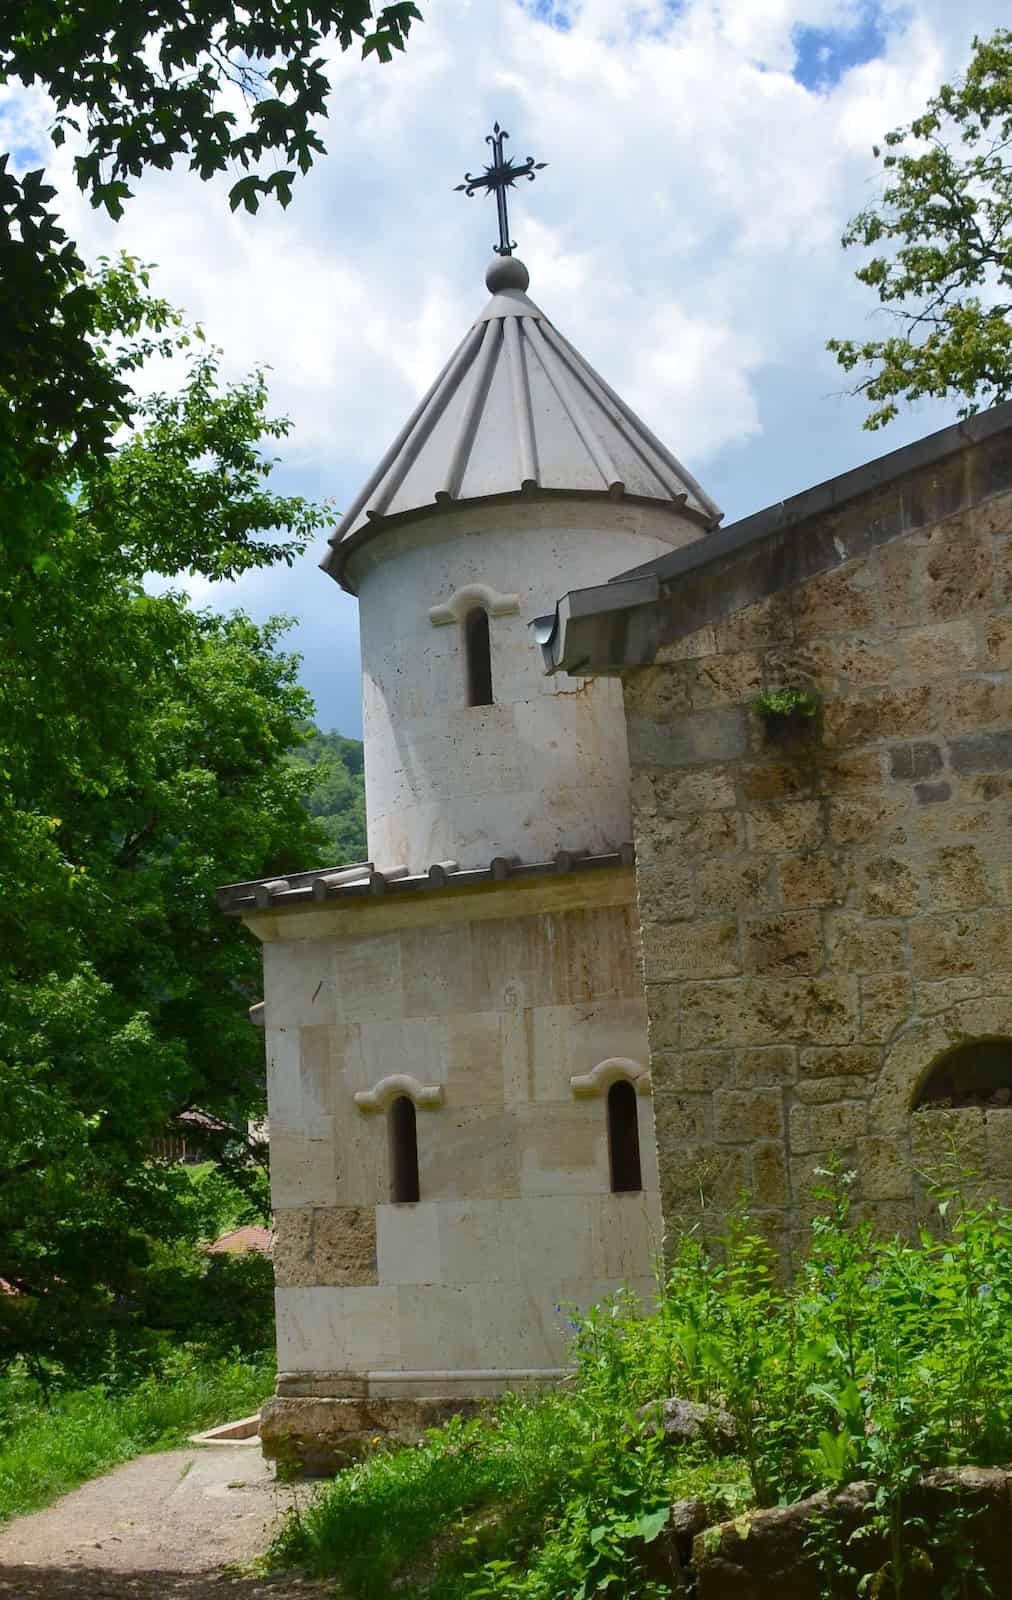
<point x="984" y="1290"/>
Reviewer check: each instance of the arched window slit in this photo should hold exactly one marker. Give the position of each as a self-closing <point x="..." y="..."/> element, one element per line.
<point x="402" y="1133"/>
<point x="623" y="1138"/>
<point x="478" y="652"/>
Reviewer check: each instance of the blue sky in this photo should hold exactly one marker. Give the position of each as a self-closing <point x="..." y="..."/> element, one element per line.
<point x="703" y="161"/>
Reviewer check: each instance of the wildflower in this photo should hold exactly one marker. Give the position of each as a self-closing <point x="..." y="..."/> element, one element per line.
<point x="984" y="1290"/>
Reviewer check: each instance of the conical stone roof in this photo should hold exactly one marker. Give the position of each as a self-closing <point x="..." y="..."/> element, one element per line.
<point x="516" y="410"/>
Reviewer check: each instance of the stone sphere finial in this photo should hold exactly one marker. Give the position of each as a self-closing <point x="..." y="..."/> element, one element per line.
<point x="507" y="272"/>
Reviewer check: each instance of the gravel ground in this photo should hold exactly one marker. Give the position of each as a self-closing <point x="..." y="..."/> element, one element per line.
<point x="171" y="1525"/>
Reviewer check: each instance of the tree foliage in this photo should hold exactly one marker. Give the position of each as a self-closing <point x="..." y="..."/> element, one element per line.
<point x="144" y="87"/>
<point x="150" y="85"/>
<point x="144" y="759"/>
<point x="337" y="796"/>
<point x="942" y="230"/>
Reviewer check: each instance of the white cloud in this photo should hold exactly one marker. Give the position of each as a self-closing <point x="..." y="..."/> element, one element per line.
<point x="685" y="236"/>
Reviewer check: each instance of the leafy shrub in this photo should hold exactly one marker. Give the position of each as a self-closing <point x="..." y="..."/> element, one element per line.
<point x="879" y="1361"/>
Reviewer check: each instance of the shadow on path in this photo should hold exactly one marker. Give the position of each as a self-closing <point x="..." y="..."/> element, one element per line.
<point x="94" y="1583"/>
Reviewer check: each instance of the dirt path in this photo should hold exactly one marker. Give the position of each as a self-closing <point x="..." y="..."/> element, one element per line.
<point x="160" y="1528"/>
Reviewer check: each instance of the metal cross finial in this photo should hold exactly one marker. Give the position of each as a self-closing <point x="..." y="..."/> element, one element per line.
<point x="497" y="178"/>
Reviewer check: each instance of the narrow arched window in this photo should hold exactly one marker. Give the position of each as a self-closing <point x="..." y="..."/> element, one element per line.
<point x="403" y="1136"/>
<point x="623" y="1138"/>
<point x="478" y="651"/>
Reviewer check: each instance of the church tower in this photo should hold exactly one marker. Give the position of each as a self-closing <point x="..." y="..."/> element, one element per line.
<point x="461" y="1125"/>
<point x="519" y="468"/>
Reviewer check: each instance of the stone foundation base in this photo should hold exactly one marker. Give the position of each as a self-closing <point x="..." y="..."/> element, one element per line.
<point x="316" y="1437"/>
<point x="318" y="1422"/>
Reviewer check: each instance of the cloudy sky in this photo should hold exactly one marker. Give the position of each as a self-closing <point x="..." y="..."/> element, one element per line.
<point x="704" y="157"/>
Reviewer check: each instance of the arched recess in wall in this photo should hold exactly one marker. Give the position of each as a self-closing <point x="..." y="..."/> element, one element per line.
<point x="976" y="1073"/>
<point x="911" y="1061"/>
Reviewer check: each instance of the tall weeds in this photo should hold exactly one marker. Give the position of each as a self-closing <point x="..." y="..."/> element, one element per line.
<point x="879" y="1361"/>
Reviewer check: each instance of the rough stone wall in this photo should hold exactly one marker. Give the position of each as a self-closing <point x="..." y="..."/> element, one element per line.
<point x="822" y="918"/>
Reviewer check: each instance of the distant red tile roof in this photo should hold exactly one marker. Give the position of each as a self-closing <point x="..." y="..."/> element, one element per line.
<point x="252" y="1237"/>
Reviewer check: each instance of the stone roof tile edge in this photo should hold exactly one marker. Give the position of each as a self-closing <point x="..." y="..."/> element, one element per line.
<point x="831" y="494"/>
<point x="580" y="638"/>
<point x="239" y="898"/>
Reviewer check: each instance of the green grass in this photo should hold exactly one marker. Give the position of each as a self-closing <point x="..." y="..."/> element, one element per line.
<point x="425" y="1522"/>
<point x="879" y="1361"/>
<point x="46" y="1450"/>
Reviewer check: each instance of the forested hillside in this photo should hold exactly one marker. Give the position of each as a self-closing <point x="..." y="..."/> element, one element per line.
<point x="337" y="796"/>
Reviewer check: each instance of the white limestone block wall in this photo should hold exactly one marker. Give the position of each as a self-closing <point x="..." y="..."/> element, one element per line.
<point x="457" y="1293"/>
<point x="545" y="767"/>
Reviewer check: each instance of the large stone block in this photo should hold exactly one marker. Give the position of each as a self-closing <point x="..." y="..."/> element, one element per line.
<point x="887" y="1002"/>
<point x="918" y="758"/>
<point x="769" y="1184"/>
<point x="850" y="771"/>
<point x="325" y="1246"/>
<point x="998" y="643"/>
<point x="743" y="1115"/>
<point x="958" y="879"/>
<point x="981" y="752"/>
<point x="704" y="948"/>
<point x="944" y="946"/>
<point x="719" y="679"/>
<point x="871" y="820"/>
<point x="862" y="660"/>
<point x="940" y="650"/>
<point x="767" y="1066"/>
<point x="717" y="734"/>
<point x="700" y="1178"/>
<point x="681" y="1118"/>
<point x="790" y="826"/>
<point x="808" y="880"/>
<point x="776" y="780"/>
<point x="658" y="692"/>
<point x="320" y="1436"/>
<point x="732" y="885"/>
<point x="856" y="943"/>
<point x="836" y="1126"/>
<point x="882" y="714"/>
<point x="770" y="1010"/>
<point x="661" y="793"/>
<point x="666" y="892"/>
<point x="970" y="703"/>
<point x="840" y="601"/>
<point x="958" y="569"/>
<point x="891" y="887"/>
<point x="858" y="1061"/>
<point x="690" y="1071"/>
<point x="783" y="945"/>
